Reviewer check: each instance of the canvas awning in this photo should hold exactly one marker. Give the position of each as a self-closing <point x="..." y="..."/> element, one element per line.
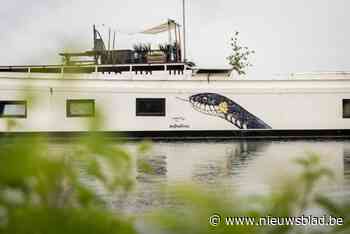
<point x="170" y="25"/>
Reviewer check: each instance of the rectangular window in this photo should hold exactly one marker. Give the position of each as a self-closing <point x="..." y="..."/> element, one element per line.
<point x="81" y="108"/>
<point x="346" y="108"/>
<point x="13" y="109"/>
<point x="150" y="106"/>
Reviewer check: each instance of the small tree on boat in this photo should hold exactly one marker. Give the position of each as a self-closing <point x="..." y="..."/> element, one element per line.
<point x="239" y="59"/>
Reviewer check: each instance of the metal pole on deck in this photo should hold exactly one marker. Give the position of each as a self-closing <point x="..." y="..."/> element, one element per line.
<point x="109" y="46"/>
<point x="95" y="55"/>
<point x="169" y="32"/>
<point x="114" y="40"/>
<point x="180" y="43"/>
<point x="184" y="28"/>
<point x="176" y="43"/>
<point x="109" y="38"/>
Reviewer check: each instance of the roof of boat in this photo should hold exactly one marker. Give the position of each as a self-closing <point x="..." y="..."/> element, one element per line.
<point x="154" y="71"/>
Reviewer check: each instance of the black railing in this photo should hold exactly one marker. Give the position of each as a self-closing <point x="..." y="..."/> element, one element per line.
<point x="171" y="68"/>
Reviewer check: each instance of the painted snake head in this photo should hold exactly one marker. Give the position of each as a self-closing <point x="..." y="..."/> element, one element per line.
<point x="207" y="99"/>
<point x="218" y="105"/>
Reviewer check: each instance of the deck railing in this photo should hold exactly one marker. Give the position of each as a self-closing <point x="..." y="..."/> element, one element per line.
<point x="171" y="68"/>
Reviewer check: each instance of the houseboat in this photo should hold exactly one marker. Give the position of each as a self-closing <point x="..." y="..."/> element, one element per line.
<point x="145" y="92"/>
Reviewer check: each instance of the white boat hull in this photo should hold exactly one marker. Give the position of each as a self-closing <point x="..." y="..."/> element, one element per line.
<point x="278" y="105"/>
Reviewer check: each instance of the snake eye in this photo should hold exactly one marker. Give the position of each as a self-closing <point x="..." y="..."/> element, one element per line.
<point x="205" y="99"/>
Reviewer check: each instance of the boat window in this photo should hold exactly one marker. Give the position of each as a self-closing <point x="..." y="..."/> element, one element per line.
<point x="13" y="109"/>
<point x="150" y="106"/>
<point x="80" y="108"/>
<point x="346" y="108"/>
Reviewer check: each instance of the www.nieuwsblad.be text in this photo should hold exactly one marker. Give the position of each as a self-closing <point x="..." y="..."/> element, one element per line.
<point x="326" y="220"/>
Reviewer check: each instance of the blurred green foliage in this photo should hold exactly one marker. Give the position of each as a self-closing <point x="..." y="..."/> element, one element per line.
<point x="43" y="191"/>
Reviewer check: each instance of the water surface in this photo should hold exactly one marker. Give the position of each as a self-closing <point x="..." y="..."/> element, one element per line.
<point x="237" y="166"/>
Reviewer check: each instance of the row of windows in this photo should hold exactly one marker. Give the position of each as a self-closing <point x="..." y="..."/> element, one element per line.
<point x="346" y="108"/>
<point x="84" y="108"/>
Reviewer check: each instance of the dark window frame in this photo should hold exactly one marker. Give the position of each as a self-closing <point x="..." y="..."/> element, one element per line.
<point x="346" y="102"/>
<point x="161" y="113"/>
<point x="13" y="102"/>
<point x="88" y="101"/>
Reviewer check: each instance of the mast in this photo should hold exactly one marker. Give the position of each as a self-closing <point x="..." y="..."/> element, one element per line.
<point x="176" y="44"/>
<point x="184" y="28"/>
<point x="113" y="39"/>
<point x="109" y="38"/>
<point x="169" y="31"/>
<point x="95" y="45"/>
<point x="180" y="43"/>
<point x="94" y="32"/>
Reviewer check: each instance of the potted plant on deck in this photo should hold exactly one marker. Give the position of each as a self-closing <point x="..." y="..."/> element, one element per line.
<point x="141" y="51"/>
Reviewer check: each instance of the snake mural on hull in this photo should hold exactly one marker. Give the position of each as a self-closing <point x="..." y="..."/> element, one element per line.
<point x="220" y="106"/>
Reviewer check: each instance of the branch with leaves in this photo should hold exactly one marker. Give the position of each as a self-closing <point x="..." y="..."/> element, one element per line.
<point x="239" y="59"/>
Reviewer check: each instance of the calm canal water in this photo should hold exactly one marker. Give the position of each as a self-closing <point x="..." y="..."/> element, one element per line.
<point x="240" y="167"/>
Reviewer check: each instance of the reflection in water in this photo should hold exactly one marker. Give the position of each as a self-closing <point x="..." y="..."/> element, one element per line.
<point x="151" y="175"/>
<point x="247" y="167"/>
<point x="238" y="156"/>
<point x="235" y="155"/>
<point x="273" y="165"/>
<point x="150" y="167"/>
<point x="347" y="165"/>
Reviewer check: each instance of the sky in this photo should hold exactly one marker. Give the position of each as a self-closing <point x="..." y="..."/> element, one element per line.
<point x="288" y="36"/>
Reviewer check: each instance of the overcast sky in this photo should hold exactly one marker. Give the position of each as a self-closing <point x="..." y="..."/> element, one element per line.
<point x="288" y="36"/>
